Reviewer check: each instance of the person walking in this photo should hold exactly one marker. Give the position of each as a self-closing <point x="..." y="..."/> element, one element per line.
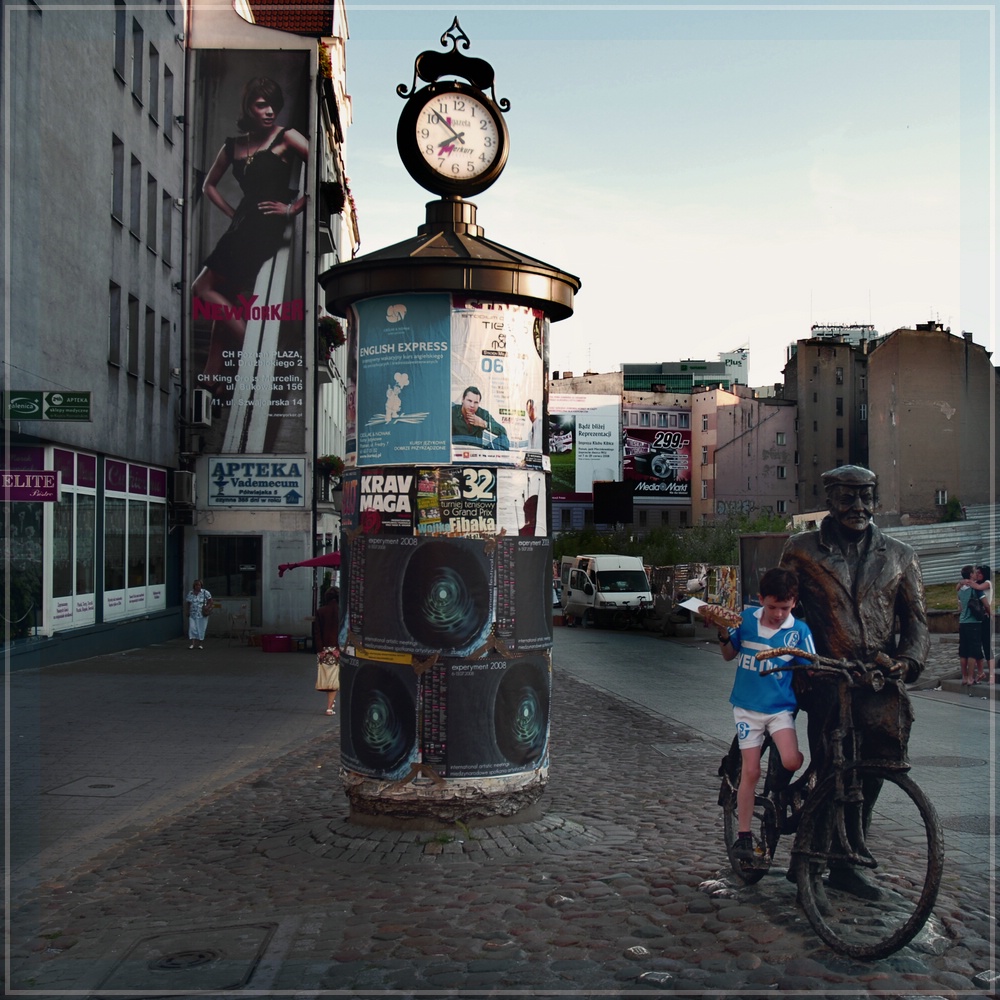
<point x="326" y="631"/>
<point x="199" y="607"/>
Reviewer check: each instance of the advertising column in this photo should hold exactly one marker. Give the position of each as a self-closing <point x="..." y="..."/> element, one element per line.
<point x="446" y="630"/>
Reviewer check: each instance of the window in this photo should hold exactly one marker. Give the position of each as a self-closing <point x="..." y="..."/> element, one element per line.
<point x="149" y="359"/>
<point x="117" y="177"/>
<point x="166" y="226"/>
<point x="863" y="382"/>
<point x="815" y="397"/>
<point x="863" y="411"/>
<point x="704" y="421"/>
<point x="941" y="498"/>
<point x="114" y="324"/>
<point x="588" y="516"/>
<point x="120" y="24"/>
<point x="168" y="105"/>
<point x="682" y="518"/>
<point x="137" y="51"/>
<point x="840" y="437"/>
<point x="132" y="360"/>
<point x="704" y="454"/>
<point x="839" y="376"/>
<point x="152" y="205"/>
<point x="644" y="419"/>
<point x="154" y="82"/>
<point x="565" y="518"/>
<point x="704" y="489"/>
<point x="642" y="519"/>
<point x="816" y="425"/>
<point x="779" y="437"/>
<point x="683" y="420"/>
<point x="749" y="452"/>
<point x="661" y="420"/>
<point x="782" y="472"/>
<point x="781" y="506"/>
<point x="839" y="406"/>
<point x="135" y="197"/>
<point x="165" y="354"/>
<point x="114" y="544"/>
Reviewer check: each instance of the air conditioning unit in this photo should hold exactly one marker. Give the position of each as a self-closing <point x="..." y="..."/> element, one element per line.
<point x="201" y="408"/>
<point x="184" y="486"/>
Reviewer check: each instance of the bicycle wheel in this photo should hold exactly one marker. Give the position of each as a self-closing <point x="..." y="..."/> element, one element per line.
<point x="906" y="857"/>
<point x="764" y="827"/>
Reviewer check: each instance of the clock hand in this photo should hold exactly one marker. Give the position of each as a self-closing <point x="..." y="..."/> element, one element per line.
<point x="446" y="122"/>
<point x="459" y="136"/>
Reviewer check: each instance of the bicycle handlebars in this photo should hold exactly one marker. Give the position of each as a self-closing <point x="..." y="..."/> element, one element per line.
<point x="853" y="671"/>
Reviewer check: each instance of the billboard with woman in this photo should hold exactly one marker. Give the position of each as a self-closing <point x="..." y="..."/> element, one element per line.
<point x="250" y="152"/>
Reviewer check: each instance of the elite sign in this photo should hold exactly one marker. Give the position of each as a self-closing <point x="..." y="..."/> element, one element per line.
<point x="36" y="405"/>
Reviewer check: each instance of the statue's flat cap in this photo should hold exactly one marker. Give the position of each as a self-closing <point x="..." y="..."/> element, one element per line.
<point x="849" y="475"/>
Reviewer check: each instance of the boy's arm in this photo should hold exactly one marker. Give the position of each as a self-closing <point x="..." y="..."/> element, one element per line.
<point x="726" y="646"/>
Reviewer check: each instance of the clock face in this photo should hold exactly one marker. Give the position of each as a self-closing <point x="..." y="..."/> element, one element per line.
<point x="452" y="140"/>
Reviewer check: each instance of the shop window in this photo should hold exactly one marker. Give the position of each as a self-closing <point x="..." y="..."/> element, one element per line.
<point x="136" y="543"/>
<point x="114" y="544"/>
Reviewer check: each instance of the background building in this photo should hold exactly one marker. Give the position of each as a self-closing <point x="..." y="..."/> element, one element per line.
<point x="934" y="431"/>
<point x="826" y="376"/>
<point x="93" y="165"/>
<point x="103" y="379"/>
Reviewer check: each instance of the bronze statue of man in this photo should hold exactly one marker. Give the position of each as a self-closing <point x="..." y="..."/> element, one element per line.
<point x="856" y="585"/>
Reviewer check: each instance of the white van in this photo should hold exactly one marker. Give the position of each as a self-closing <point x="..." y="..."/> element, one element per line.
<point x="605" y="589"/>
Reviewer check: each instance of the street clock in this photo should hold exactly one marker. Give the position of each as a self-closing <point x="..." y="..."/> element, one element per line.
<point x="451" y="136"/>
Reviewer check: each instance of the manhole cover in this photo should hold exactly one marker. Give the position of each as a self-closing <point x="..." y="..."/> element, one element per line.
<point x="183" y="960"/>
<point x="945" y="761"/>
<point x="207" y="959"/>
<point x="979" y="825"/>
<point x="100" y="786"/>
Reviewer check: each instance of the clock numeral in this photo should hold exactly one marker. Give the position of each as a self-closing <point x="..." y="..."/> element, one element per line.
<point x="459" y="104"/>
<point x="488" y="141"/>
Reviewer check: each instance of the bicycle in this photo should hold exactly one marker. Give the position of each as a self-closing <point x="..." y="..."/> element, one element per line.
<point x="900" y="843"/>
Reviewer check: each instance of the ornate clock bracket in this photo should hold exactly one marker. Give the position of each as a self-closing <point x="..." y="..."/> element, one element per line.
<point x="430" y="66"/>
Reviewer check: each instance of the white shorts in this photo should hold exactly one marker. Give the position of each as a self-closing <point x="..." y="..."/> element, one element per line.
<point x="751" y="726"/>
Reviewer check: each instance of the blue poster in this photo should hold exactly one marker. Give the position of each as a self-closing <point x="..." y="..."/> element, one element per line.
<point x="404" y="380"/>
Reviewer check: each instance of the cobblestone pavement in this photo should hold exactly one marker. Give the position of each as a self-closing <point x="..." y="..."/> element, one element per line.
<point x="620" y="888"/>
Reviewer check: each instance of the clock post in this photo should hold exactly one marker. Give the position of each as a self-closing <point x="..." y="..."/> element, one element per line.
<point x="446" y="594"/>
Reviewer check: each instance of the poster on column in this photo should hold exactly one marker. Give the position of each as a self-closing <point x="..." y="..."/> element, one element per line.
<point x="584" y="443"/>
<point x="486" y="717"/>
<point x="420" y="595"/>
<point x="249" y="187"/>
<point x="403" y="379"/>
<point x="480" y="501"/>
<point x="496" y="382"/>
<point x="378" y="735"/>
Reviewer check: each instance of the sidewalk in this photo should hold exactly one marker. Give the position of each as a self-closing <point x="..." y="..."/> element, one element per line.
<point x="250" y="878"/>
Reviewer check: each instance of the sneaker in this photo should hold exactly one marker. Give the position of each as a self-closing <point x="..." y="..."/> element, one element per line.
<point x="200" y="646"/>
<point x="191" y="646"/>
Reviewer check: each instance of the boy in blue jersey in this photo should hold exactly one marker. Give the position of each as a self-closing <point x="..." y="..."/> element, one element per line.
<point x="764" y="704"/>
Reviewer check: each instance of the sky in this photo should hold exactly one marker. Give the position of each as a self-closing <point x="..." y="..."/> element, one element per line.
<point x="717" y="177"/>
